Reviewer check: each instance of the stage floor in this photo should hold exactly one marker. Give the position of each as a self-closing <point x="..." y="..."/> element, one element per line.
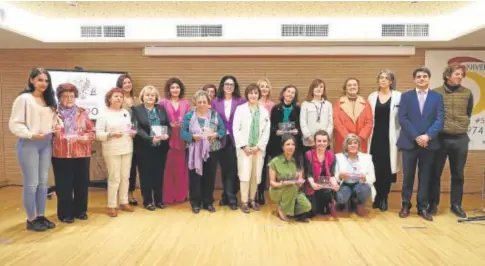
<point x="176" y="236"/>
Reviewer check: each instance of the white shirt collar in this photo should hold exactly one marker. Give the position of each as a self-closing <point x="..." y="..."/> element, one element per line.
<point x="425" y="91"/>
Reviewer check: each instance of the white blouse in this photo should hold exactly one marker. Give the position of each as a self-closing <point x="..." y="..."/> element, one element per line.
<point x="114" y="121"/>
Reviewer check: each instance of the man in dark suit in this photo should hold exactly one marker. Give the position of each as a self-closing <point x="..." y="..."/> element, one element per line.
<point x="421" y="118"/>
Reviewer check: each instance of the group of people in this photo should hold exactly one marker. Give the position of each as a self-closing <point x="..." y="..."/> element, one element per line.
<point x="316" y="157"/>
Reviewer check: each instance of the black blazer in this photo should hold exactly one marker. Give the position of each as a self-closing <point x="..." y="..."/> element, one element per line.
<point x="274" y="144"/>
<point x="142" y="137"/>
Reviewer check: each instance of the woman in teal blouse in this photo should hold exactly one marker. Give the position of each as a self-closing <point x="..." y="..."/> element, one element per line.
<point x="286" y="179"/>
<point x="201" y="130"/>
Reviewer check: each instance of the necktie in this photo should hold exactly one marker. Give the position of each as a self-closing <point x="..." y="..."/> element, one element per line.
<point x="421" y="101"/>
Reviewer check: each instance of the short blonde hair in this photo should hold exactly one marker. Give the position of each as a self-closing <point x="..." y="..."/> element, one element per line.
<point x="201" y="93"/>
<point x="349" y="139"/>
<point x="265" y="80"/>
<point x="149" y="89"/>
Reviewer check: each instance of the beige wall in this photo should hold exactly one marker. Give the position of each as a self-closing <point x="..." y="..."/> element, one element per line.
<point x="197" y="71"/>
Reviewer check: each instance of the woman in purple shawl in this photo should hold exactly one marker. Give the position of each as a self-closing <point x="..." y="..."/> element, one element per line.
<point x="202" y="129"/>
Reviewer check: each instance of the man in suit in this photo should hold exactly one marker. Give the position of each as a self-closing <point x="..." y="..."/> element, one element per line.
<point x="421" y="118"/>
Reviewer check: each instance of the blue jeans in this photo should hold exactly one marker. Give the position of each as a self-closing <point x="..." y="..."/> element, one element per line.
<point x="361" y="191"/>
<point x="34" y="157"/>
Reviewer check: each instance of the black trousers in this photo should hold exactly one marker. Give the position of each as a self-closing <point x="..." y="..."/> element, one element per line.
<point x="133" y="173"/>
<point x="72" y="183"/>
<point x="455" y="148"/>
<point x="228" y="162"/>
<point x="151" y="166"/>
<point x="423" y="159"/>
<point x="201" y="187"/>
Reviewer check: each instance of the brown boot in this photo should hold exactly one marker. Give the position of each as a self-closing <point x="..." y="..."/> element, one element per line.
<point x="112" y="212"/>
<point x="255" y="205"/>
<point x="126" y="208"/>
<point x="361" y="211"/>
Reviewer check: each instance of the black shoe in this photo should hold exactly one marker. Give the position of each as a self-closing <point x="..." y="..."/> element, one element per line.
<point x="36" y="226"/>
<point x="49" y="224"/>
<point x="195" y="209"/>
<point x="67" y="220"/>
<point x="458" y="211"/>
<point x="132" y="201"/>
<point x="233" y="206"/>
<point x="150" y="207"/>
<point x="260" y="198"/>
<point x="82" y="216"/>
<point x="405" y="210"/>
<point x="222" y="202"/>
<point x="376" y="204"/>
<point x="433" y="209"/>
<point x="425" y="214"/>
<point x="210" y="208"/>
<point x="160" y="205"/>
<point x="384" y="206"/>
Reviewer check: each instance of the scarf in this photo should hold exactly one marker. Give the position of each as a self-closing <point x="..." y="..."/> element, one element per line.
<point x="286" y="112"/>
<point x="312" y="157"/>
<point x="198" y="150"/>
<point x="254" y="130"/>
<point x="153" y="120"/>
<point x="68" y="116"/>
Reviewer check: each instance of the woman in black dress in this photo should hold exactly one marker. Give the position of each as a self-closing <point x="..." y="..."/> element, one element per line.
<point x="385" y="103"/>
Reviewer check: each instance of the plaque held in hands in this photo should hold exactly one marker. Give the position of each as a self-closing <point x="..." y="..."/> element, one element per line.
<point x="158" y="131"/>
<point x="286" y="127"/>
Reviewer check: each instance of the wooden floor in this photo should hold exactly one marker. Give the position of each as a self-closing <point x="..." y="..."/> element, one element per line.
<point x="175" y="236"/>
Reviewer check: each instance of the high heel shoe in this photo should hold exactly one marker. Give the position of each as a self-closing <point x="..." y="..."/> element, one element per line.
<point x="384" y="206"/>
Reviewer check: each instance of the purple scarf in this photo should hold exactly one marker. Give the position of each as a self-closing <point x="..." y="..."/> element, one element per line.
<point x="198" y="150"/>
<point x="68" y="116"/>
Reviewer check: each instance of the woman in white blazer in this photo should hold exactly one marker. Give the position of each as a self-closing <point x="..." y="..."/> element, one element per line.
<point x="355" y="172"/>
<point x="382" y="145"/>
<point x="251" y="129"/>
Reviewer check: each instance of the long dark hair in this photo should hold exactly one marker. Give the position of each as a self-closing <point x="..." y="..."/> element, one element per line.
<point x="170" y="82"/>
<point x="220" y="91"/>
<point x="296" y="155"/>
<point x="121" y="79"/>
<point x="48" y="95"/>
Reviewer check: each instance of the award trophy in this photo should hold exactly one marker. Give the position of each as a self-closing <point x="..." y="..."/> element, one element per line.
<point x="131" y="128"/>
<point x="286" y="127"/>
<point x="324" y="181"/>
<point x="159" y="131"/>
<point x="208" y="130"/>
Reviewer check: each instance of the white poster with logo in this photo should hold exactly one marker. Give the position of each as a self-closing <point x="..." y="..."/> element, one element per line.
<point x="436" y="61"/>
<point x="92" y="87"/>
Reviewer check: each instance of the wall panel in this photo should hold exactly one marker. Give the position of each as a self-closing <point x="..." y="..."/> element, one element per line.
<point x="197" y="71"/>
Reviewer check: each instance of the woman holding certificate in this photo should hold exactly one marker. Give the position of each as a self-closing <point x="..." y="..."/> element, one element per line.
<point x="115" y="131"/>
<point x="175" y="178"/>
<point x="286" y="179"/>
<point x="319" y="172"/>
<point x="352" y="114"/>
<point x="151" y="146"/>
<point x="32" y="120"/>
<point x="251" y="128"/>
<point x="285" y="119"/>
<point x="71" y="155"/>
<point x="202" y="130"/>
<point x="355" y="172"/>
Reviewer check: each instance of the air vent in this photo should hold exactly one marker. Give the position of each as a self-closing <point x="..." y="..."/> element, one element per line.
<point x="405" y="30"/>
<point x="307" y="30"/>
<point x="199" y="31"/>
<point x="104" y="31"/>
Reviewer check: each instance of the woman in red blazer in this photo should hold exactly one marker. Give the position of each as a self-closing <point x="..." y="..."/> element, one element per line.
<point x="352" y="114"/>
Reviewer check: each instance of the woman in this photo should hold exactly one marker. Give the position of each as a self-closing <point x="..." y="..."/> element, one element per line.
<point x="265" y="88"/>
<point x="316" y="113"/>
<point x="152" y="146"/>
<point x="251" y="133"/>
<point x="355" y="172"/>
<point x="287" y="111"/>
<point x="202" y="130"/>
<point x="71" y="156"/>
<point x="211" y="90"/>
<point x="285" y="179"/>
<point x="352" y="114"/>
<point x="115" y="130"/>
<point x="384" y="135"/>
<point x="228" y="99"/>
<point x="175" y="181"/>
<point x="129" y="101"/>
<point x="32" y="120"/>
<point x="320" y="176"/>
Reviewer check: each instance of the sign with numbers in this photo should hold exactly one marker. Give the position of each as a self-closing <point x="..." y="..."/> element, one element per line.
<point x="436" y="61"/>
